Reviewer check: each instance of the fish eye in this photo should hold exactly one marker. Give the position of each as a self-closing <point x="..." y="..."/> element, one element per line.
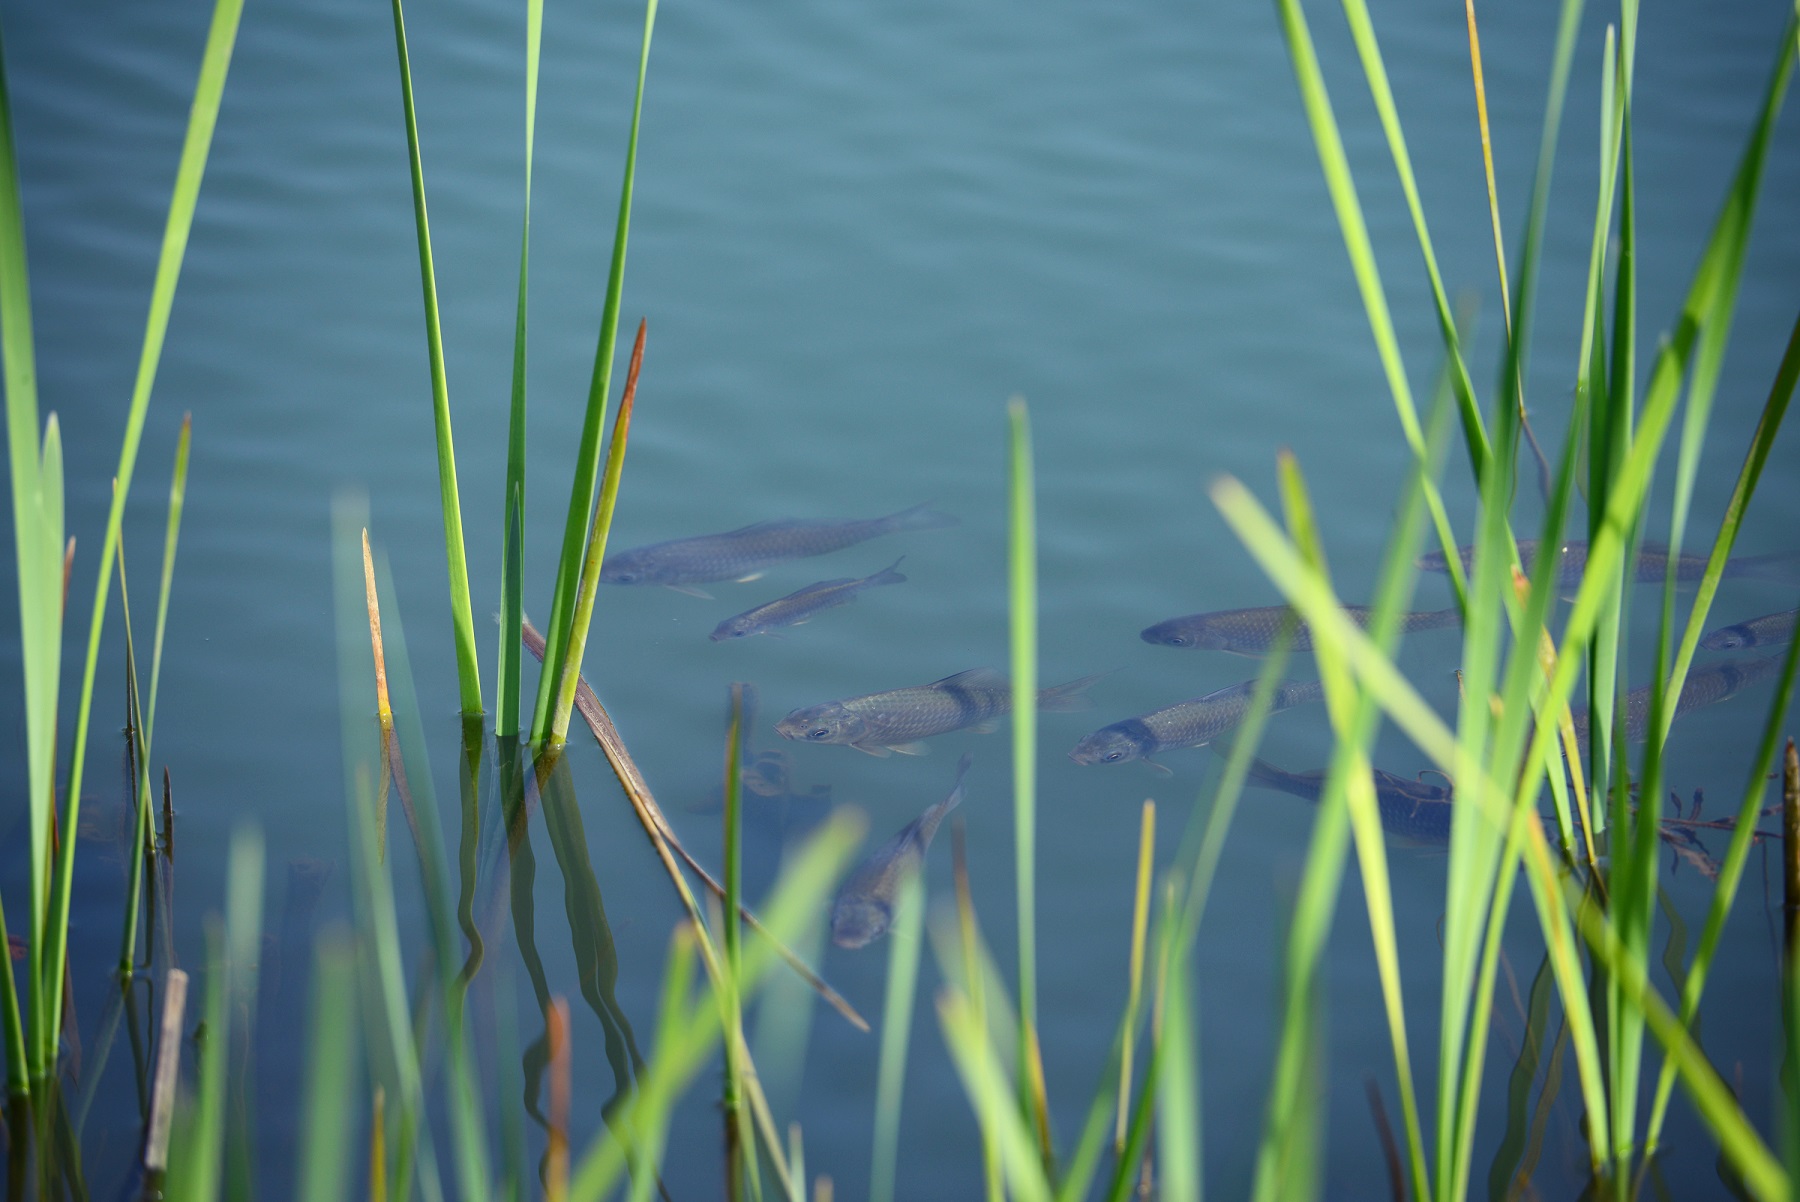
<point x="1113" y="757"/>
<point x="1178" y="640"/>
<point x="818" y="732"/>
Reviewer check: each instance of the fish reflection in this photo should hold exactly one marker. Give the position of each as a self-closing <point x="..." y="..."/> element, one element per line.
<point x="1652" y="564"/>
<point x="1192" y="723"/>
<point x="1703" y="687"/>
<point x="1410" y="808"/>
<point x="1770" y="630"/>
<point x="880" y="723"/>
<point x="744" y="553"/>
<point x="864" y="908"/>
<point x="1253" y="631"/>
<point x="798" y="607"/>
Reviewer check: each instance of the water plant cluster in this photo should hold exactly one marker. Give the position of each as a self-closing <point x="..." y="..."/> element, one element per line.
<point x="409" y="1094"/>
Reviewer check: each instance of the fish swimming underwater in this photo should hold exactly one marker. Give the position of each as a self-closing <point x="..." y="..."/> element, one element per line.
<point x="1253" y="631"/>
<point x="1770" y="630"/>
<point x="798" y="607"/>
<point x="1411" y="809"/>
<point x="1192" y="723"/>
<point x="1652" y="564"/>
<point x="864" y="908"/>
<point x="744" y="553"/>
<point x="880" y="723"/>
<point x="1703" y="687"/>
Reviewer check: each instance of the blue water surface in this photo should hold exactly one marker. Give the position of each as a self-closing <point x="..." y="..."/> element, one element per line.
<point x="857" y="232"/>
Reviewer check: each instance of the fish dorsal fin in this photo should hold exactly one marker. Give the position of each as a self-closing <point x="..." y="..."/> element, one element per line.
<point x="974" y="678"/>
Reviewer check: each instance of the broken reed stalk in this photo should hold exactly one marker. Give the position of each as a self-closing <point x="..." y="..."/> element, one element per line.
<point x="662" y="835"/>
<point x="168" y="1062"/>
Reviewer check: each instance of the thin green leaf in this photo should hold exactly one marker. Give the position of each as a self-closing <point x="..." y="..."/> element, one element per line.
<point x="587" y="459"/>
<point x="468" y="671"/>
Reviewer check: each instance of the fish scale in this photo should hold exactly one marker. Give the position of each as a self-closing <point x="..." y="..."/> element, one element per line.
<point x="748" y="550"/>
<point x="880" y="723"/>
<point x="1193" y="723"/>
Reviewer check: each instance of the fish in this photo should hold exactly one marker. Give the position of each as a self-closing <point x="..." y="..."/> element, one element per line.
<point x="1411" y="809"/>
<point x="745" y="553"/>
<point x="1652" y="564"/>
<point x="1703" y="687"/>
<point x="881" y="723"/>
<point x="1192" y="723"/>
<point x="1253" y="631"/>
<point x="1770" y="630"/>
<point x="864" y="908"/>
<point x="800" y="606"/>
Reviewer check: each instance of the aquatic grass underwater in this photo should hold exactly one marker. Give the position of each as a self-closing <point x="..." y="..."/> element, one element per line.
<point x="404" y="1082"/>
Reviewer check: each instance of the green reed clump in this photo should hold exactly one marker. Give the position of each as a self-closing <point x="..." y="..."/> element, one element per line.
<point x="33" y="1018"/>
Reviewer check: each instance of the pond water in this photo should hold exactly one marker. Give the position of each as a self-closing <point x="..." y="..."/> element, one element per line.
<point x="857" y="233"/>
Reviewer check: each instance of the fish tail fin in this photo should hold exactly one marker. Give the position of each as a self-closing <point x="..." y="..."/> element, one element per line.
<point x="1264" y="774"/>
<point x="919" y="517"/>
<point x="1063" y="698"/>
<point x="889" y="574"/>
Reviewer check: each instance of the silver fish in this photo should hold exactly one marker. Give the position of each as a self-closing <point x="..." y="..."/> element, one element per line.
<point x="1253" y="631"/>
<point x="1770" y="630"/>
<point x="798" y="607"/>
<point x="1703" y="687"/>
<point x="1652" y="564"/>
<point x="1192" y="723"/>
<point x="744" y="554"/>
<point x="1412" y="809"/>
<point x="880" y="723"/>
<point x="864" y="908"/>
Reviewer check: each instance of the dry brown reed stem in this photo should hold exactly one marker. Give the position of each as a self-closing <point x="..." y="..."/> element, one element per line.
<point x="394" y="762"/>
<point x="662" y="835"/>
<point x="168" y="1062"/>
<point x="1790" y="847"/>
<point x="382" y="706"/>
<point x="556" y="1154"/>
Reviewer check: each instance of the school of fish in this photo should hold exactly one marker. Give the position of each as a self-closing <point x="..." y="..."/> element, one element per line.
<point x="900" y="720"/>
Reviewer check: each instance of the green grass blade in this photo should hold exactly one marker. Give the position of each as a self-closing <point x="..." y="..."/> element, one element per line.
<point x="215" y="61"/>
<point x="596" y="551"/>
<point x="995" y="1101"/>
<point x="468" y="670"/>
<point x="331" y="1079"/>
<point x="464" y="1095"/>
<point x="512" y="558"/>
<point x="37" y="550"/>
<point x="896" y="1031"/>
<point x="1335" y="165"/>
<point x="1178" y="1088"/>
<point x="171" y="536"/>
<point x="1022" y="595"/>
<point x="587" y="461"/>
<point x="1738" y="851"/>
